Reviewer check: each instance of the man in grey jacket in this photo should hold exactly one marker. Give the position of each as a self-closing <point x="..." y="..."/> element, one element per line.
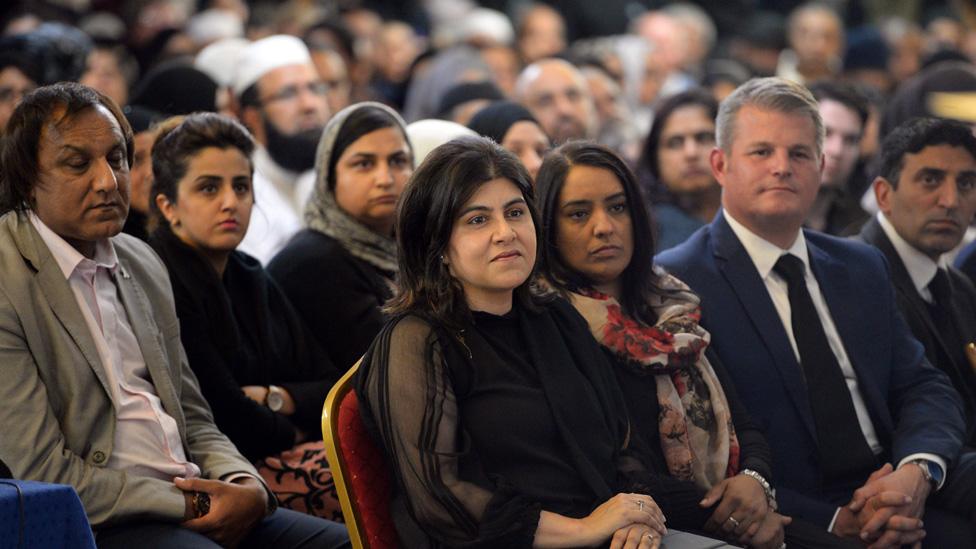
<point x="95" y="390"/>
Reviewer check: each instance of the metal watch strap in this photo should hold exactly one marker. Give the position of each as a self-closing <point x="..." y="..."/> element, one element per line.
<point x="924" y="465"/>
<point x="767" y="489"/>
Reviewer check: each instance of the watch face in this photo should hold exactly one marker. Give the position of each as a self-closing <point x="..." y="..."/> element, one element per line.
<point x="275" y="402"/>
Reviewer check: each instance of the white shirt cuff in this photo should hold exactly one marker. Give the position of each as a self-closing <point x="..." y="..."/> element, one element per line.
<point x="830" y="527"/>
<point x="927" y="457"/>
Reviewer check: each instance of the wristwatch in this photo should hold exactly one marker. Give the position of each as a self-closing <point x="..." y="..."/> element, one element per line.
<point x="767" y="489"/>
<point x="931" y="471"/>
<point x="275" y="398"/>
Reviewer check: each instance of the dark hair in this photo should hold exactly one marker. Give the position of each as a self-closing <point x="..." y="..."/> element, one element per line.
<point x="434" y="196"/>
<point x="21" y="143"/>
<point x="648" y="170"/>
<point x="845" y="94"/>
<point x="363" y="120"/>
<point x="918" y="133"/>
<point x="639" y="280"/>
<point x="174" y="148"/>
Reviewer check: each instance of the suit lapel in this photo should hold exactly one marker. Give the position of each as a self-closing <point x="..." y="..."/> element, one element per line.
<point x="873" y="234"/>
<point x="750" y="290"/>
<point x="57" y="291"/>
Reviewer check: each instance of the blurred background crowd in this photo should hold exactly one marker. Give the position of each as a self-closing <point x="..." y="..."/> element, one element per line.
<point x="877" y="62"/>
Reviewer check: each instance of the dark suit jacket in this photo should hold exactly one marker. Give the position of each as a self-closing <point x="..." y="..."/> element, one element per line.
<point x="913" y="406"/>
<point x="941" y="349"/>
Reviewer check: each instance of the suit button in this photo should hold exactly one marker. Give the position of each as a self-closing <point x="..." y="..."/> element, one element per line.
<point x="98" y="457"/>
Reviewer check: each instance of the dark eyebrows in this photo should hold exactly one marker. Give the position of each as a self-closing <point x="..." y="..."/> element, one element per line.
<point x="926" y="171"/>
<point x="611" y="198"/>
<point x="483" y="208"/>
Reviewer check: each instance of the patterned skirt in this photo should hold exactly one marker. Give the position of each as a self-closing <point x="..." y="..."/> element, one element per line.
<point x="302" y="481"/>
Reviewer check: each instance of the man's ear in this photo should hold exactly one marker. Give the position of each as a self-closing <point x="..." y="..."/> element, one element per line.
<point x="883" y="190"/>
<point x="719" y="164"/>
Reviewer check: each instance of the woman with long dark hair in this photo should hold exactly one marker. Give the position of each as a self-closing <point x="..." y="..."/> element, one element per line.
<point x="712" y="463"/>
<point x="259" y="369"/>
<point x="502" y="422"/>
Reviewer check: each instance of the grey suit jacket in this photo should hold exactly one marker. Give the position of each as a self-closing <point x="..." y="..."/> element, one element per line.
<point x="56" y="410"/>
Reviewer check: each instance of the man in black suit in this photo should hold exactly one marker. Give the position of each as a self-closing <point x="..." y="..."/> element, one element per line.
<point x="927" y="196"/>
<point x="865" y="433"/>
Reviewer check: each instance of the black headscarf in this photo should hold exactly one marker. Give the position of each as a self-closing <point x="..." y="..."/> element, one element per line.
<point x="495" y="120"/>
<point x="175" y="88"/>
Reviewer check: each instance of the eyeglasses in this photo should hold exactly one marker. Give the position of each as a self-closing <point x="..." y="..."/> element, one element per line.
<point x="291" y="93"/>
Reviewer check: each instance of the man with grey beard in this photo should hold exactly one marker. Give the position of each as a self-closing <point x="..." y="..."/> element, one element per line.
<point x="283" y="101"/>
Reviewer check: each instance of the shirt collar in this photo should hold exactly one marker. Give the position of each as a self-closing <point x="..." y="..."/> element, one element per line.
<point x="68" y="258"/>
<point x="921" y="269"/>
<point x="765" y="254"/>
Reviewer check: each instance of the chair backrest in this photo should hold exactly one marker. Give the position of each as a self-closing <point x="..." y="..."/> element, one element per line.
<point x="359" y="469"/>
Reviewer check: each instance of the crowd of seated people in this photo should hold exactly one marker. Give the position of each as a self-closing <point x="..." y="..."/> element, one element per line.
<point x="209" y="215"/>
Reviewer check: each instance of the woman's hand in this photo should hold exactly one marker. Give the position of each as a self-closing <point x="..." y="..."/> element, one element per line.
<point x="635" y="536"/>
<point x="770" y="534"/>
<point x="622" y="511"/>
<point x="257" y="393"/>
<point x="741" y="510"/>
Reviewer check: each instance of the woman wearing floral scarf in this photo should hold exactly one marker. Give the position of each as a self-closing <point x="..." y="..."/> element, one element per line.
<point x="713" y="463"/>
<point x="339" y="271"/>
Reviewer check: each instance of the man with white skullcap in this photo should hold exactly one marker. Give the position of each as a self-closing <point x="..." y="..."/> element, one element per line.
<point x="282" y="100"/>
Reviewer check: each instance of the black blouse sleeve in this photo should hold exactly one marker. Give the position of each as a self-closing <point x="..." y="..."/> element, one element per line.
<point x="311" y="373"/>
<point x="255" y="430"/>
<point x="335" y="295"/>
<point x="411" y="407"/>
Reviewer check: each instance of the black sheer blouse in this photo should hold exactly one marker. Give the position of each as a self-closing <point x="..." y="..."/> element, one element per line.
<point x="487" y="426"/>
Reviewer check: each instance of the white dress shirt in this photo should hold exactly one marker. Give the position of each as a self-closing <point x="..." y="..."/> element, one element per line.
<point x="279" y="204"/>
<point x="147" y="440"/>
<point x="764" y="255"/>
<point x="921" y="269"/>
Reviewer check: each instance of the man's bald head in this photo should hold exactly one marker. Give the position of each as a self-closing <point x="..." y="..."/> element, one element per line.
<point x="556" y="94"/>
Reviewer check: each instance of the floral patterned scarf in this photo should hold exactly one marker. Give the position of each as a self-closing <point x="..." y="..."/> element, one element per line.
<point x="695" y="424"/>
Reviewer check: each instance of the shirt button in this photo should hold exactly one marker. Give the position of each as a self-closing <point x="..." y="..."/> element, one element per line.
<point x="98" y="457"/>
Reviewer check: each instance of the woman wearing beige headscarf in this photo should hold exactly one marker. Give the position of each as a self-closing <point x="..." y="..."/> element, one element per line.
<point x="340" y="269"/>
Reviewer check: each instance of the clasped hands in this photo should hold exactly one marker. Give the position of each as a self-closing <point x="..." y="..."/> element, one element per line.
<point x="887" y="510"/>
<point x="743" y="515"/>
<point x="235" y="507"/>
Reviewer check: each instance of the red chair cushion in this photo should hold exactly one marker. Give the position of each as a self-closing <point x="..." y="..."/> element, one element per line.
<point x="367" y="476"/>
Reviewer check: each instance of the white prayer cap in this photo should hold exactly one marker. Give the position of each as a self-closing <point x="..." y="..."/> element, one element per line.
<point x="485" y="24"/>
<point x="214" y="24"/>
<point x="219" y="60"/>
<point x="428" y="134"/>
<point x="266" y="55"/>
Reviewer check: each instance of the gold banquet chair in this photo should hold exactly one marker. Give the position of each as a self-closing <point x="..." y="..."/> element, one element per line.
<point x="359" y="469"/>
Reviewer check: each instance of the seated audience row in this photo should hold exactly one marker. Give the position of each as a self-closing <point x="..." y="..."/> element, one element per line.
<point x="97" y="392"/>
<point x="525" y="431"/>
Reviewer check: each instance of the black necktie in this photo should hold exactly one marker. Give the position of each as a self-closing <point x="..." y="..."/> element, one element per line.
<point x="939" y="286"/>
<point x="844" y="452"/>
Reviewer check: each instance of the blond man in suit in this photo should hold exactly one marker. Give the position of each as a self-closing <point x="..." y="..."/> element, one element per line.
<point x="95" y="390"/>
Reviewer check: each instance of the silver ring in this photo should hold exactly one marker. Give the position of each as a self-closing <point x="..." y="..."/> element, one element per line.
<point x="735" y="523"/>
<point x="640" y="505"/>
<point x="650" y="537"/>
